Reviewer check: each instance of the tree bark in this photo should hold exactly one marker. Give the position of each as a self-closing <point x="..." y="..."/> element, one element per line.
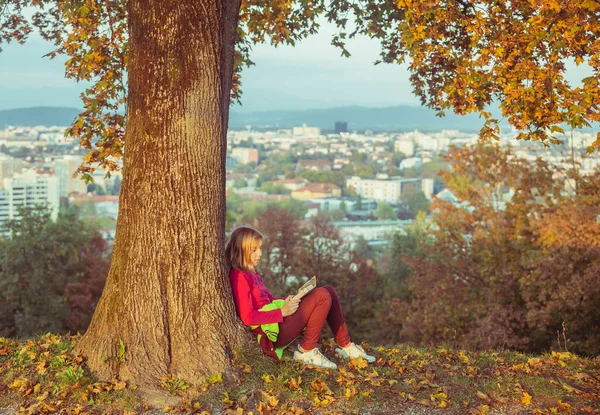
<point x="167" y="296"/>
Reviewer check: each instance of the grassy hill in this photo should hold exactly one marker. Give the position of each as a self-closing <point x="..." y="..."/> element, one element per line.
<point x="43" y="376"/>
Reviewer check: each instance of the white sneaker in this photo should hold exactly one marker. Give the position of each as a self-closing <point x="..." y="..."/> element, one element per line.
<point x="314" y="357"/>
<point x="352" y="351"/>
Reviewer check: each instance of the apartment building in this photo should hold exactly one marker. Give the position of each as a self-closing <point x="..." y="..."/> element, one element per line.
<point x="376" y="230"/>
<point x="9" y="166"/>
<point x="306" y="131"/>
<point x="245" y="155"/>
<point x="383" y="189"/>
<point x="33" y="186"/>
<point x="64" y="168"/>
<point x="405" y="146"/>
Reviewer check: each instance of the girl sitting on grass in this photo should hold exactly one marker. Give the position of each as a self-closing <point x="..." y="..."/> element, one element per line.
<point x="278" y="321"/>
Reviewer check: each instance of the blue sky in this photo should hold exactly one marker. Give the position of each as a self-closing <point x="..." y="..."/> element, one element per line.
<point x="310" y="75"/>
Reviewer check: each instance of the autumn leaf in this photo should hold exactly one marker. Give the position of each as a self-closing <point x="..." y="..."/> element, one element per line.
<point x="246" y="368"/>
<point x="225" y="399"/>
<point x="270" y="399"/>
<point x="526" y="399"/>
<point x="482" y="396"/>
<point x="481" y="410"/>
<point x="564" y="406"/>
<point x="267" y="378"/>
<point x="294" y="383"/>
<point x="350" y="392"/>
<point x="41" y="367"/>
<point x="120" y="385"/>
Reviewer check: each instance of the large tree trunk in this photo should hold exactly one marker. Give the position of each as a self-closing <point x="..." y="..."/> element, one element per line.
<point x="167" y="296"/>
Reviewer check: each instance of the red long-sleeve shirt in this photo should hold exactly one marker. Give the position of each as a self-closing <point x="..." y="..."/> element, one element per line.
<point x="250" y="294"/>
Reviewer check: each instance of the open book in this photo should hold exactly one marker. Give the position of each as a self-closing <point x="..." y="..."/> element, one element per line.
<point x="306" y="288"/>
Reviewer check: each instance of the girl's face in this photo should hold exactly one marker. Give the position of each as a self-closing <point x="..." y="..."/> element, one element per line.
<point x="256" y="254"/>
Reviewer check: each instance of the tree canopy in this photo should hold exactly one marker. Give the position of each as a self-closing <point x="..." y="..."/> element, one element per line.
<point x="464" y="56"/>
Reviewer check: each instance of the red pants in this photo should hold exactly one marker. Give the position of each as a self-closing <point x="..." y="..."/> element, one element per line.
<point x="317" y="306"/>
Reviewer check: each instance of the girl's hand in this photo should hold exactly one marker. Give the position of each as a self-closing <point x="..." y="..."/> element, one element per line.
<point x="290" y="306"/>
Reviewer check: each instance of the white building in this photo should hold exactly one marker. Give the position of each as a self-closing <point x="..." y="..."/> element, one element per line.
<point x="305" y="131"/>
<point x="427" y="187"/>
<point x="33" y="186"/>
<point x="411" y="162"/>
<point x="64" y="169"/>
<point x="405" y="146"/>
<point x="375" y="230"/>
<point x="9" y="166"/>
<point x="382" y="190"/>
<point x="245" y="155"/>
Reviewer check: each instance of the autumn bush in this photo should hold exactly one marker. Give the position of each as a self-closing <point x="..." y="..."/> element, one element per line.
<point x="513" y="265"/>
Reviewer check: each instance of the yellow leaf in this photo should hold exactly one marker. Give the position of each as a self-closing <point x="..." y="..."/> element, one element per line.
<point x="350" y="392"/>
<point x="120" y="385"/>
<point x="273" y="401"/>
<point x="441" y="396"/>
<point x="16" y="384"/>
<point x="41" y="368"/>
<point x="48" y="408"/>
<point x="393" y="382"/>
<point x="482" y="395"/>
<point x="569" y="388"/>
<point x="564" y="356"/>
<point x="226" y="399"/>
<point x="360" y="363"/>
<point x="443" y="404"/>
<point x="294" y="383"/>
<point x="42" y="396"/>
<point x="526" y="400"/>
<point x="564" y="405"/>
<point x="483" y="410"/>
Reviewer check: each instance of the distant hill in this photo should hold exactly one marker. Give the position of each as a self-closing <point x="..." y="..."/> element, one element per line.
<point x="400" y="118"/>
<point x="29" y="117"/>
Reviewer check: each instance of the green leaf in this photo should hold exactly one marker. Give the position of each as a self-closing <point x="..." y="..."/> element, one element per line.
<point x="121" y="349"/>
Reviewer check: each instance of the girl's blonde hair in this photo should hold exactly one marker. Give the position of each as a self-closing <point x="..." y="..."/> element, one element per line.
<point x="243" y="241"/>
